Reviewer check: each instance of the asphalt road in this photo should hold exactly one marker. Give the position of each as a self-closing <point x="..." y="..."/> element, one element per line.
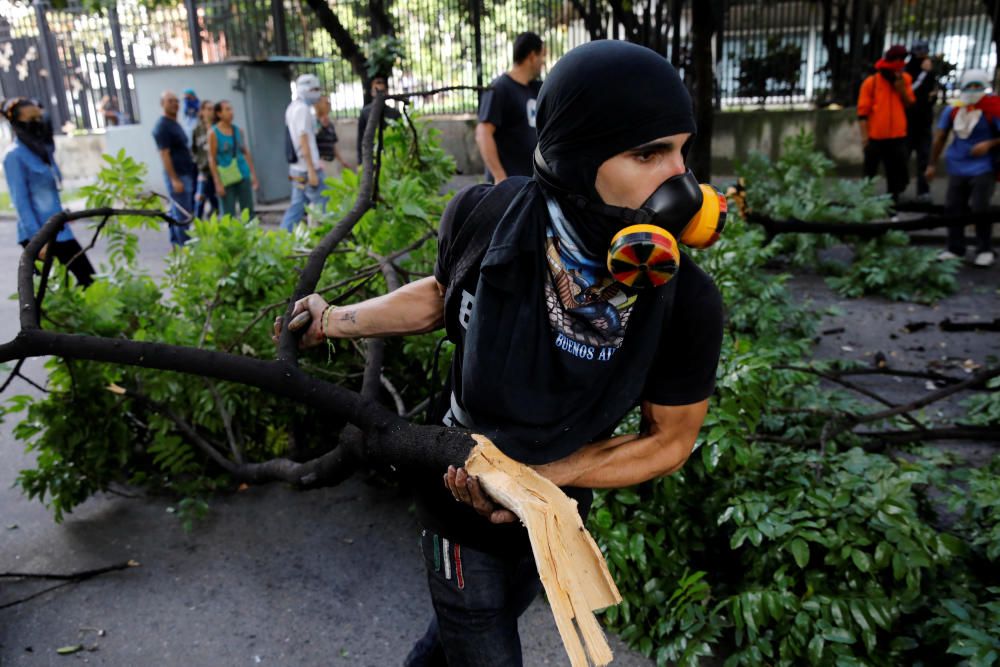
<point x="274" y="576"/>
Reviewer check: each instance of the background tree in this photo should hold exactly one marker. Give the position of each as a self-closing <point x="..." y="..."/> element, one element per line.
<point x="658" y="26"/>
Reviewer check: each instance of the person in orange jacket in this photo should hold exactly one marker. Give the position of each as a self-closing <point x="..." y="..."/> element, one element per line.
<point x="882" y="106"/>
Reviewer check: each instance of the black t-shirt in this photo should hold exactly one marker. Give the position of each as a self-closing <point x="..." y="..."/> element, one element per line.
<point x="921" y="112"/>
<point x="510" y="106"/>
<point x="681" y="372"/>
<point x="326" y="141"/>
<point x="170" y="135"/>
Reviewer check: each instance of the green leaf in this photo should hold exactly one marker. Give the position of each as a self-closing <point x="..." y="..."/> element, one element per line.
<point x="68" y="650"/>
<point x="800" y="551"/>
<point x="839" y="635"/>
<point x="815" y="649"/>
<point x="862" y="560"/>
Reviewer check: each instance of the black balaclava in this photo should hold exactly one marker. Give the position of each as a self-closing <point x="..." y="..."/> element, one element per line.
<point x="601" y="99"/>
<point x="33" y="134"/>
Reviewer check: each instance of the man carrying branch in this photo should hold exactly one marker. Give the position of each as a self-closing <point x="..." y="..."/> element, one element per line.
<point x="569" y="304"/>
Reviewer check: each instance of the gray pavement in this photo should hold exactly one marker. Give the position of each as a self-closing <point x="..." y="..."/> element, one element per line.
<point x="273" y="576"/>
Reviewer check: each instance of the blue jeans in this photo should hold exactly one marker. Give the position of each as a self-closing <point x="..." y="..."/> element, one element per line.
<point x="302" y="194"/>
<point x="478" y="597"/>
<point x="184" y="199"/>
<point x="205" y="195"/>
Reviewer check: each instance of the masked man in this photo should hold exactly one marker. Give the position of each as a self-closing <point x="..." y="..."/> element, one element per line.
<point x="975" y="121"/>
<point x="538" y="285"/>
<point x="882" y="104"/>
<point x="306" y="171"/>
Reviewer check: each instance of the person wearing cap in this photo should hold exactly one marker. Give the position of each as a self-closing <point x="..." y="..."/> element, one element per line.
<point x="306" y="172"/>
<point x="971" y="168"/>
<point x="190" y="115"/>
<point x="882" y="104"/>
<point x="553" y="346"/>
<point x="34" y="181"/>
<point x="920" y="114"/>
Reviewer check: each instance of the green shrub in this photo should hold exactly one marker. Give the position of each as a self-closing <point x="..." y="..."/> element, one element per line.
<point x="798" y="186"/>
<point x="222" y="292"/>
<point x="766" y="549"/>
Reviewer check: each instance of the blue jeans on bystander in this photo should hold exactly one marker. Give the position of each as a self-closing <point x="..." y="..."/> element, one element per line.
<point x="181" y="200"/>
<point x="301" y="195"/>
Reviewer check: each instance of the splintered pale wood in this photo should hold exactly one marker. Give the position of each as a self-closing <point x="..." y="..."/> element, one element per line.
<point x="570" y="565"/>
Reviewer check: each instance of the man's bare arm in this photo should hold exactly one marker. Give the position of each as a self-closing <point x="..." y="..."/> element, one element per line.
<point x="307" y="157"/>
<point x="168" y="166"/>
<point x="613" y="463"/>
<point x="488" y="150"/>
<point x="632" y="459"/>
<point x="940" y="138"/>
<point x="414" y="308"/>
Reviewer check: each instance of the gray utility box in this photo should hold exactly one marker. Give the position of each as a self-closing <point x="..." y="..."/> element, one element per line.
<point x="259" y="93"/>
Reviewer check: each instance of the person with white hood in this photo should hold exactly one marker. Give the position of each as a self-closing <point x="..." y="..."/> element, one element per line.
<point x="971" y="172"/>
<point x="306" y="173"/>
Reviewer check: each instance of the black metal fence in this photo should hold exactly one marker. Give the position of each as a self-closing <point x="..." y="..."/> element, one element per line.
<point x="816" y="52"/>
<point x="769" y="52"/>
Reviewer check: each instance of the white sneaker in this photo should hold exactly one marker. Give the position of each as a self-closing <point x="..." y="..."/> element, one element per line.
<point x="984" y="259"/>
<point x="946" y="255"/>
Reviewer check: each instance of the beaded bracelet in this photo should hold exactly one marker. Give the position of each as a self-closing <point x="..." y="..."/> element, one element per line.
<point x="322" y="321"/>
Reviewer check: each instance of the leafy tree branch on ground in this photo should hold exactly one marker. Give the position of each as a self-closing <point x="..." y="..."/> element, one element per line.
<point x="785" y="540"/>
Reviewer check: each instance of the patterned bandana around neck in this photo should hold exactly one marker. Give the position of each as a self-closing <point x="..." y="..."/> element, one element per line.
<point x="582" y="298"/>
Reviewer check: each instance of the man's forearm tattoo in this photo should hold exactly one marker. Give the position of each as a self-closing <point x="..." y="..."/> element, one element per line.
<point x="349" y="316"/>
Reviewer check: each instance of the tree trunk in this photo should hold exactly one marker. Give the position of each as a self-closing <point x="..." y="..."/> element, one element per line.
<point x="704" y="21"/>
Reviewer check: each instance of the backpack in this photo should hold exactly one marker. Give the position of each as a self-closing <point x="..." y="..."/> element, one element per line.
<point x="290" y="153"/>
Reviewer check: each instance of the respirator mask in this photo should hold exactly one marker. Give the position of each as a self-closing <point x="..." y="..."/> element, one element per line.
<point x="643" y="249"/>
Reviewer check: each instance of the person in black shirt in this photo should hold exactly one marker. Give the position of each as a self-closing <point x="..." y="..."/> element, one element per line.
<point x="550" y="351"/>
<point x="920" y="114"/>
<point x="390" y="113"/>
<point x="506" y="133"/>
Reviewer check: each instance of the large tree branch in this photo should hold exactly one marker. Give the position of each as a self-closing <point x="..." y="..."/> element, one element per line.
<point x="866" y="230"/>
<point x="349" y="49"/>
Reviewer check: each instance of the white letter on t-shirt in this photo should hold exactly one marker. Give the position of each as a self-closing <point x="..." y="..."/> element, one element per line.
<point x="465" y="310"/>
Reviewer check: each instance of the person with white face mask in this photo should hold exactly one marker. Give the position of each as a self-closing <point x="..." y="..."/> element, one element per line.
<point x="306" y="173"/>
<point x="970" y="160"/>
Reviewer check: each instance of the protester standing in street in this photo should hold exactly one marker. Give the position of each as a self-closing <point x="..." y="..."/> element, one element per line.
<point x="971" y="170"/>
<point x="326" y="139"/>
<point x="306" y="173"/>
<point x="231" y="164"/>
<point x="882" y="104"/>
<point x="205" y="191"/>
<point x="506" y="134"/>
<point x="179" y="170"/>
<point x="920" y="114"/>
<point x="33" y="180"/>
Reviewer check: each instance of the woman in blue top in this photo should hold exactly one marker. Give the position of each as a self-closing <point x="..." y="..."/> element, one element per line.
<point x="33" y="179"/>
<point x="225" y="144"/>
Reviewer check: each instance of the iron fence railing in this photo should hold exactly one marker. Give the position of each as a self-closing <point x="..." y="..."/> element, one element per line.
<point x="769" y="52"/>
